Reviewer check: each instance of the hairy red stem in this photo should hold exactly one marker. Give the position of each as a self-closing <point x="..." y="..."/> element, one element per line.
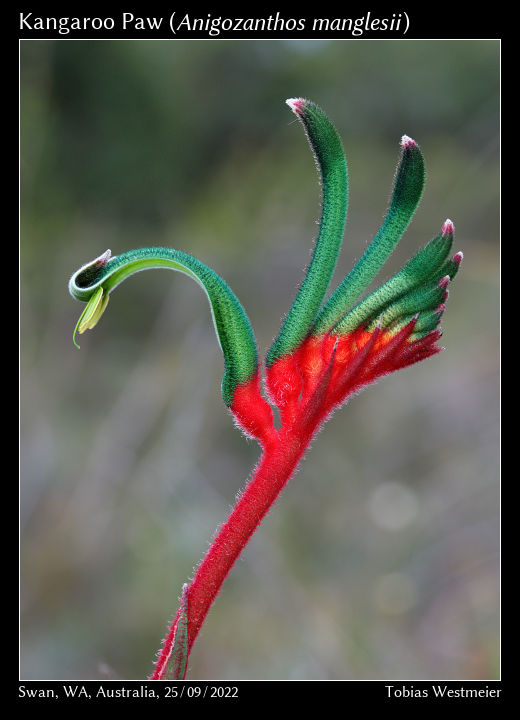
<point x="277" y="464"/>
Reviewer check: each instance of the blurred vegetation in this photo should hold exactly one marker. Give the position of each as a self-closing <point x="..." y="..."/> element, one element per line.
<point x="380" y="559"/>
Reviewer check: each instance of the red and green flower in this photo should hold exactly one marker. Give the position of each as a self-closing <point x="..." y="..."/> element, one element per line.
<point x="326" y="350"/>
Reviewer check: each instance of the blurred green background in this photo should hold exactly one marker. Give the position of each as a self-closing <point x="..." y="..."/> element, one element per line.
<point x="381" y="558"/>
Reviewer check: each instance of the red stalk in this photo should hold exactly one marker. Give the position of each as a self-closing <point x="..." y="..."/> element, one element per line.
<point x="277" y="464"/>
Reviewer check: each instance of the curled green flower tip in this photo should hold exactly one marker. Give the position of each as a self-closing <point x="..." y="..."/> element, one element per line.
<point x="330" y="159"/>
<point x="407" y="191"/>
<point x="86" y="279"/>
<point x="96" y="299"/>
<point x="422" y="266"/>
<point x="94" y="281"/>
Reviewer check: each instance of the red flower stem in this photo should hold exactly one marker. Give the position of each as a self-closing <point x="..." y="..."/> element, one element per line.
<point x="277" y="464"/>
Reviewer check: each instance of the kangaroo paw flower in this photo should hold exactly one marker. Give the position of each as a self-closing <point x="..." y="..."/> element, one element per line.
<point x="325" y="351"/>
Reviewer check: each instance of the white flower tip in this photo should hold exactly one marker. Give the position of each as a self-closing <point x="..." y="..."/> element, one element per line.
<point x="296" y="105"/>
<point x="104" y="258"/>
<point x="457" y="258"/>
<point x="448" y="228"/>
<point x="407" y="141"/>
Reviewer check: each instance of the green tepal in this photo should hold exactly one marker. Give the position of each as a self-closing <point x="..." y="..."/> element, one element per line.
<point x="330" y="158"/>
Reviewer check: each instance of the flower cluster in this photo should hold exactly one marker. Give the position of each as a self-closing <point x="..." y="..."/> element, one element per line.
<point x="326" y="350"/>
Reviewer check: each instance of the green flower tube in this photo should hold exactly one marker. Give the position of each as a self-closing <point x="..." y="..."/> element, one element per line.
<point x="94" y="281"/>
